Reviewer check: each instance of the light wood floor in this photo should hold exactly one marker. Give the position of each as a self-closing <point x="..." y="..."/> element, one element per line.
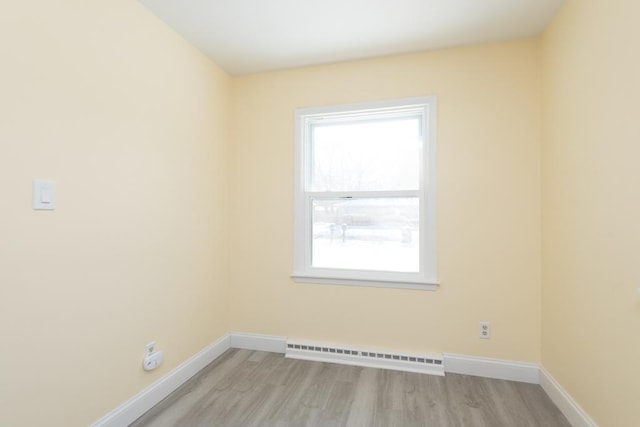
<point x="251" y="388"/>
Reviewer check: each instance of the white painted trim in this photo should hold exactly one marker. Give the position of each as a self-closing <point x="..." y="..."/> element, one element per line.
<point x="135" y="407"/>
<point x="563" y="400"/>
<point x="258" y="342"/>
<point x="492" y="368"/>
<point x="426" y="278"/>
<point x="430" y="285"/>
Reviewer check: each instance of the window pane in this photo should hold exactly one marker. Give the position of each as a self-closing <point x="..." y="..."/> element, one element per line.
<point x="380" y="234"/>
<point x="366" y="155"/>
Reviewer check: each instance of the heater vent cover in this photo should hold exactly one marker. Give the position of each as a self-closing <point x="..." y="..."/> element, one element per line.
<point x="427" y="364"/>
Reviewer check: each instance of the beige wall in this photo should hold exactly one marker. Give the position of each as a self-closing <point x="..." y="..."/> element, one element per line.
<point x="488" y="207"/>
<point x="131" y="122"/>
<point x="591" y="207"/>
<point x="134" y="126"/>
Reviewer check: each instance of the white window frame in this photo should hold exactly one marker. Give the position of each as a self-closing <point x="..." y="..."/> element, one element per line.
<point x="426" y="278"/>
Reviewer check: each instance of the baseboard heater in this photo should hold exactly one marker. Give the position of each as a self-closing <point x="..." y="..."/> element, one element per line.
<point x="425" y="364"/>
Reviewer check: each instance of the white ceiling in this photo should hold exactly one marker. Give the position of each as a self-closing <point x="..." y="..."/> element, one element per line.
<point x="249" y="36"/>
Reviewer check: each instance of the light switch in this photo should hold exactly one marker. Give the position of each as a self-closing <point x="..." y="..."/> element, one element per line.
<point x="44" y="195"/>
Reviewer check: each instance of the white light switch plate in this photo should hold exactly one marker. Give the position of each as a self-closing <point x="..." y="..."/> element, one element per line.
<point x="44" y="195"/>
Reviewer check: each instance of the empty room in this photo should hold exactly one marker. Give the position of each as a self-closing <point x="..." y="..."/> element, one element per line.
<point x="339" y="213"/>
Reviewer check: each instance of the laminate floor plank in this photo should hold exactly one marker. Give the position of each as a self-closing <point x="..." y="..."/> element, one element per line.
<point x="250" y="388"/>
<point x="363" y="406"/>
<point x="431" y="406"/>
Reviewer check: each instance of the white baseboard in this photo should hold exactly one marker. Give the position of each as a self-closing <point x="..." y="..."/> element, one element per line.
<point x="563" y="400"/>
<point x="491" y="368"/>
<point x="135" y="407"/>
<point x="258" y="342"/>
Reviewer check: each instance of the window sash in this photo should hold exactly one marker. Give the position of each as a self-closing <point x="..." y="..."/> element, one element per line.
<point x="368" y="116"/>
<point x="366" y="233"/>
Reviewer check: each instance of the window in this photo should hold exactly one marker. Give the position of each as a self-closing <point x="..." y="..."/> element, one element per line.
<point x="365" y="191"/>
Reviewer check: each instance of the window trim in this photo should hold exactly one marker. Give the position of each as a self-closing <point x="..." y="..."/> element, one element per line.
<point x="303" y="272"/>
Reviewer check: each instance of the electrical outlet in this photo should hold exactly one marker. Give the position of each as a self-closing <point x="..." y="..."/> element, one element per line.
<point x="150" y="348"/>
<point x="152" y="361"/>
<point x="152" y="357"/>
<point x="485" y="330"/>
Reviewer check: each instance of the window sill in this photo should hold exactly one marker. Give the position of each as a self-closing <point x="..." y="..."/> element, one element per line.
<point x="431" y="285"/>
